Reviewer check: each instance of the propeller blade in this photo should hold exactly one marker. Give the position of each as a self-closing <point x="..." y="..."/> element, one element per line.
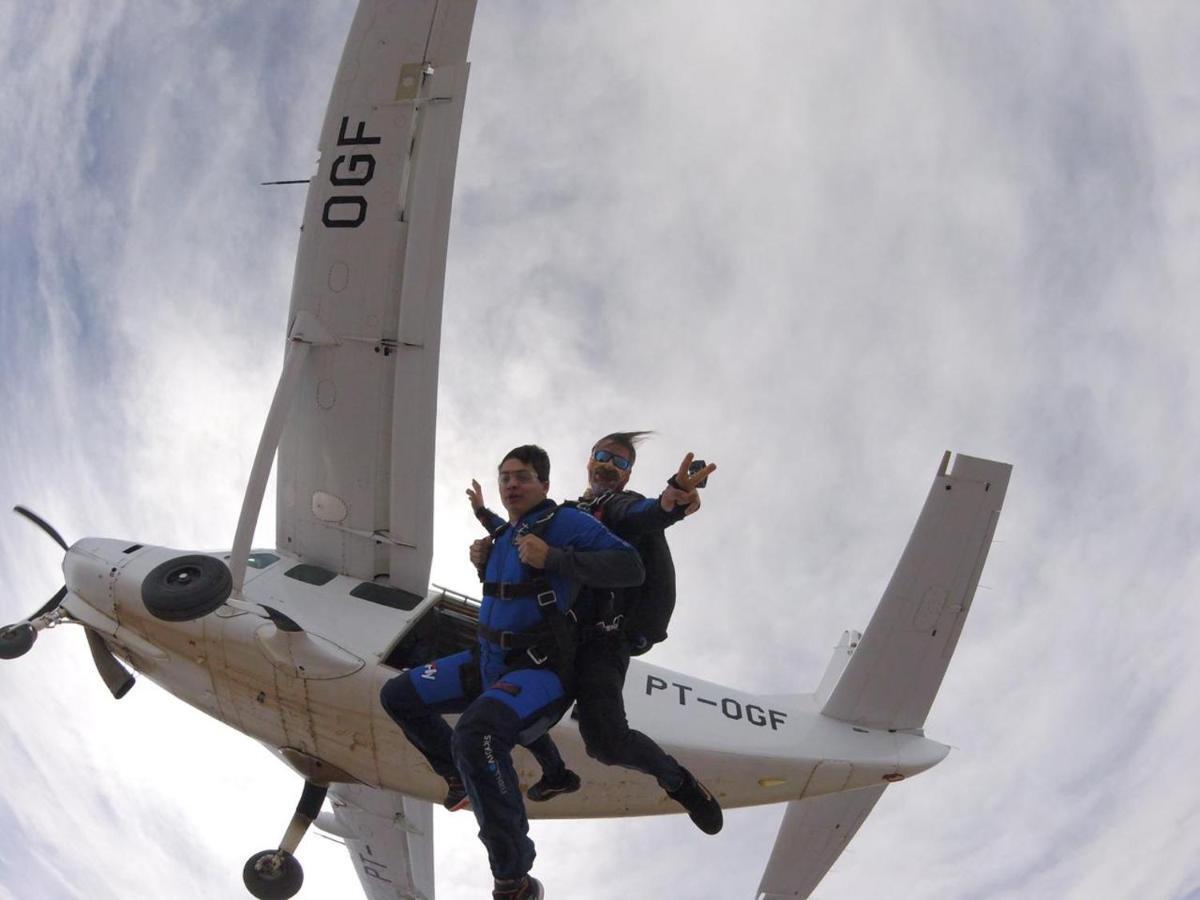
<point x="42" y="524"/>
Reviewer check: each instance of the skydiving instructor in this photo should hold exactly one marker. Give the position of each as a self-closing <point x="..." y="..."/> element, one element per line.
<point x="510" y="686"/>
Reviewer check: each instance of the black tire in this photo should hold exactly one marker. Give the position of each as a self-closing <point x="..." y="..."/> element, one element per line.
<point x="186" y="588"/>
<point x="15" y="640"/>
<point x="267" y="880"/>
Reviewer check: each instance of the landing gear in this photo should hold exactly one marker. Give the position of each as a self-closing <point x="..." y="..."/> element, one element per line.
<point x="186" y="588"/>
<point x="15" y="640"/>
<point x="276" y="874"/>
<point x="273" y="875"/>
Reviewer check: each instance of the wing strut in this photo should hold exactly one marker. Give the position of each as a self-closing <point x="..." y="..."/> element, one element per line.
<point x="307" y="331"/>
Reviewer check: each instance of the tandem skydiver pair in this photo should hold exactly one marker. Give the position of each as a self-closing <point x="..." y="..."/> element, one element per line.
<point x="617" y="624"/>
<point x="565" y="603"/>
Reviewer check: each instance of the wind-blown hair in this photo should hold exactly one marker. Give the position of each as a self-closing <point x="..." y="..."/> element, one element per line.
<point x="531" y="455"/>
<point x="627" y="439"/>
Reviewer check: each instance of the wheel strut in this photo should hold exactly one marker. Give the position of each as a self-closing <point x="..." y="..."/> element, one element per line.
<point x="307" y="811"/>
<point x="276" y="874"/>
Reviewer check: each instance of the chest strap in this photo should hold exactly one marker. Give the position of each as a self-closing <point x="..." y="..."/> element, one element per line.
<point x="549" y="640"/>
<point x="512" y="640"/>
<point x="503" y="590"/>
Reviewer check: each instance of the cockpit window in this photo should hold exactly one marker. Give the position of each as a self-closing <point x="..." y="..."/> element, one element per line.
<point x="311" y="574"/>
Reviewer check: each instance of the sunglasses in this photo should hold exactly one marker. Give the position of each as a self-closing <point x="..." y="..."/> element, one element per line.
<point x="607" y="456"/>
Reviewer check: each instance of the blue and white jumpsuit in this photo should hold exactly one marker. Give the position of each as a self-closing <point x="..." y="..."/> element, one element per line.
<point x="520" y="692"/>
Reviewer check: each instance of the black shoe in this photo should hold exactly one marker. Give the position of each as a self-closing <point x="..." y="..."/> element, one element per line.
<point x="456" y="795"/>
<point x="701" y="805"/>
<point x="545" y="789"/>
<point x="524" y="888"/>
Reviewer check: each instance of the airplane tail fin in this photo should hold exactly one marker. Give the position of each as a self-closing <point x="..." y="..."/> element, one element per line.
<point x="837" y="665"/>
<point x="887" y="677"/>
<point x="890" y="678"/>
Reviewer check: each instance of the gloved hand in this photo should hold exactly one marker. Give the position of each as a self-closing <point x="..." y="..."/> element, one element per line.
<point x="638" y="644"/>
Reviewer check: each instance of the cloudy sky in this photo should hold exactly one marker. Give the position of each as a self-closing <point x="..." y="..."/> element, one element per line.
<point x="816" y="243"/>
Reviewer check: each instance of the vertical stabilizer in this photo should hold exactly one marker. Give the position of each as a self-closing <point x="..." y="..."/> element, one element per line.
<point x="837" y="665"/>
<point x="895" y="672"/>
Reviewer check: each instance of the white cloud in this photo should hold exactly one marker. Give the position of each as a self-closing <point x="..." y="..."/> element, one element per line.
<point x="818" y="245"/>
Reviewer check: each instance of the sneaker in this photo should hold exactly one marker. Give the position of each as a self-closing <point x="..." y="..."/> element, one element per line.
<point x="701" y="805"/>
<point x="456" y="795"/>
<point x="524" y="888"/>
<point x="545" y="789"/>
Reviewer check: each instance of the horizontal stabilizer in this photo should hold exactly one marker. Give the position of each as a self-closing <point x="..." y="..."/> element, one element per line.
<point x="390" y="839"/>
<point x="812" y="836"/>
<point x="895" y="672"/>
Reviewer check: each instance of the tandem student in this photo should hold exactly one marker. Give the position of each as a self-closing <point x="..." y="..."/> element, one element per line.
<point x="509" y="687"/>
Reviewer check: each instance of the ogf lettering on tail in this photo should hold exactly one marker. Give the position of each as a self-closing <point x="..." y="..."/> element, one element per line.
<point x="732" y="708"/>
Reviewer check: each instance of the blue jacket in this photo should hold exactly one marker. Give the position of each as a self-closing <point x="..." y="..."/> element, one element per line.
<point x="641" y="521"/>
<point x="582" y="552"/>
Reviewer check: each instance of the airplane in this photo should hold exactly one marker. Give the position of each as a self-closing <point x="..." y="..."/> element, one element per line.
<point x="291" y="645"/>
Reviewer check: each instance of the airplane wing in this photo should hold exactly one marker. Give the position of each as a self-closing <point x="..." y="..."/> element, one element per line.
<point x="897" y="668"/>
<point x="813" y="834"/>
<point x="390" y="839"/>
<point x="356" y="454"/>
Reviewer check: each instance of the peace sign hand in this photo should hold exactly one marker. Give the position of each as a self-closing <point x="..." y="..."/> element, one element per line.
<point x="682" y="489"/>
<point x="688" y="481"/>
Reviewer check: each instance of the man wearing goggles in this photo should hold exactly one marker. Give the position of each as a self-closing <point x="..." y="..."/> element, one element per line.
<point x="617" y="624"/>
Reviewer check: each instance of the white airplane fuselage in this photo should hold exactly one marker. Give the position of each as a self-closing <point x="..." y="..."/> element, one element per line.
<point x="306" y="684"/>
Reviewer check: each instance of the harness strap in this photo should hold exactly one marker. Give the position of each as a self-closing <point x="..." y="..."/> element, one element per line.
<point x="593" y="506"/>
<point x="506" y="590"/>
<point x="537" y="526"/>
<point x="512" y="640"/>
<point x="551" y="640"/>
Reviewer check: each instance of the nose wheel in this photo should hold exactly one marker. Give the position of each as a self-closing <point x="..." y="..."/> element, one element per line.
<point x="15" y="640"/>
<point x="273" y="875"/>
<point x="276" y="874"/>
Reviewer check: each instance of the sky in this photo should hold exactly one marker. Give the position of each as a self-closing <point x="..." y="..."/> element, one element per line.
<point x="818" y="244"/>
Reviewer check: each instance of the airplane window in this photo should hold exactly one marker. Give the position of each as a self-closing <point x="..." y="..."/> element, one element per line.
<point x="386" y="596"/>
<point x="311" y="574"/>
<point x="134" y="549"/>
<point x="261" y="560"/>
